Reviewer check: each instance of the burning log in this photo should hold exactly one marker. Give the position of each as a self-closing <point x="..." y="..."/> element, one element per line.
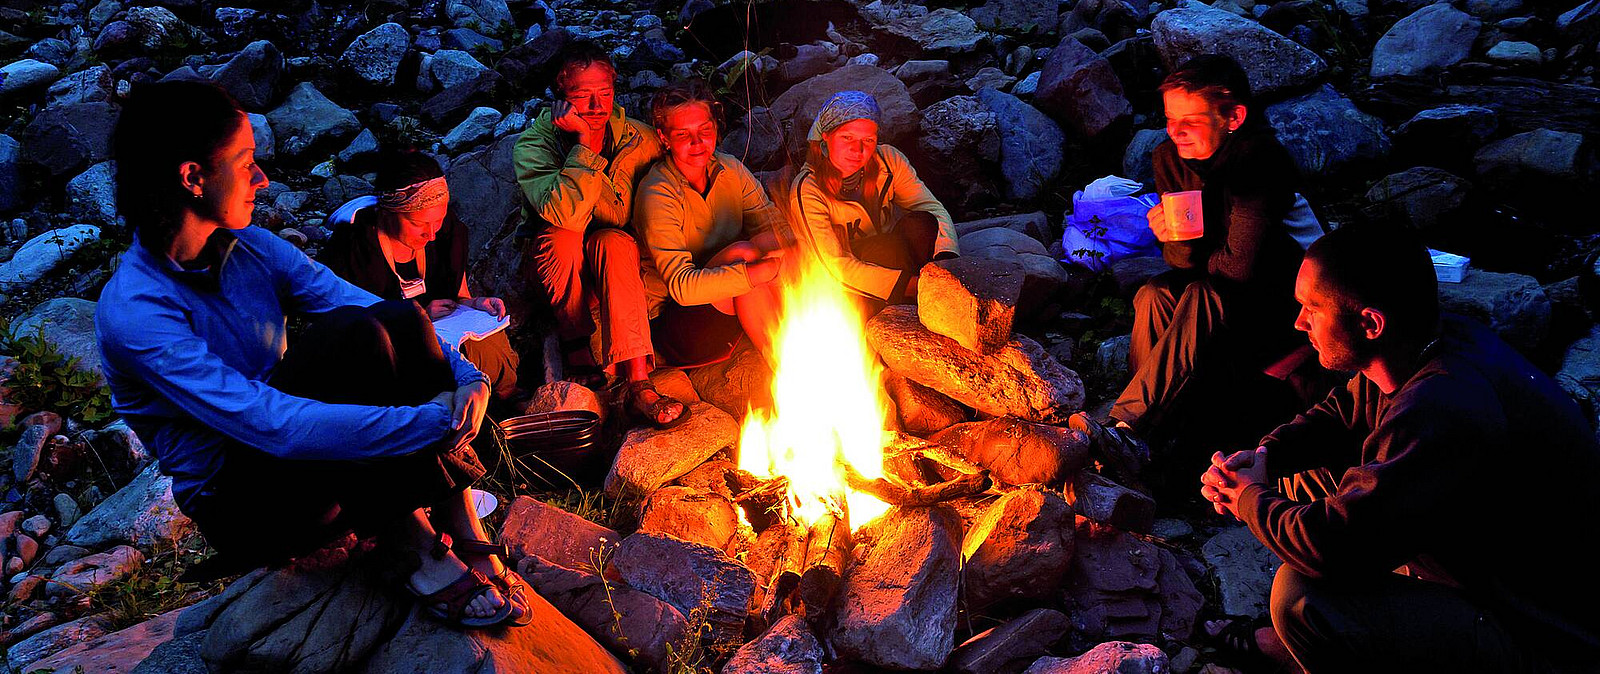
<point x="766" y="503"/>
<point x="894" y="494"/>
<point x="827" y="551"/>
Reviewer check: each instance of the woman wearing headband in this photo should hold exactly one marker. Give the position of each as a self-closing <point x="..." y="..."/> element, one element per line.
<point x="404" y="244"/>
<point x="861" y="207"/>
<point x="275" y="444"/>
<point x="710" y="230"/>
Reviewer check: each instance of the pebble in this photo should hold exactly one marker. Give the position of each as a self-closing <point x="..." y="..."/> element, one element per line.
<point x="36" y="526"/>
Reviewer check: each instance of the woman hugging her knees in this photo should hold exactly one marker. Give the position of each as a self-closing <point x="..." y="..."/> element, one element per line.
<point x="362" y="423"/>
<point x="710" y="230"/>
<point x="861" y="207"/>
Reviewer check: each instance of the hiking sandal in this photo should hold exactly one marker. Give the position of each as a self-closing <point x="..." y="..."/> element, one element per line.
<point x="1122" y="452"/>
<point x="651" y="412"/>
<point x="449" y="604"/>
<point x="1236" y="644"/>
<point x="511" y="585"/>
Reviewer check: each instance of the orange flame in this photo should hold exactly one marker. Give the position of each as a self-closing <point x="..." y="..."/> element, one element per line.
<point x="828" y="406"/>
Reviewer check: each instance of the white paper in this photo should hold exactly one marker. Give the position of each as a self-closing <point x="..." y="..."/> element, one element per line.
<point x="1449" y="267"/>
<point x="467" y="323"/>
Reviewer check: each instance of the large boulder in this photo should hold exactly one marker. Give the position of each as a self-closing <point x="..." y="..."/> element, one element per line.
<point x="897" y="607"/>
<point x="941" y="30"/>
<point x="693" y="578"/>
<point x="1121" y="657"/>
<point x="307" y="120"/>
<point x="1579" y="375"/>
<point x="1035" y="225"/>
<point x="922" y="410"/>
<point x="971" y="300"/>
<point x="450" y="67"/>
<point x="67" y="323"/>
<point x="1079" y="87"/>
<point x="1018" y="452"/>
<point x="85" y="86"/>
<point x="1244" y="569"/>
<point x="42" y="253"/>
<point x="1325" y="132"/>
<point x="113" y="653"/>
<point x="1021" y="379"/>
<point x="1030" y="145"/>
<point x="24" y="76"/>
<point x="1122" y="587"/>
<point x="1042" y="274"/>
<point x="627" y="621"/>
<point x="652" y="457"/>
<point x="961" y="140"/>
<point x="1581" y="22"/>
<point x="1513" y="305"/>
<point x="477" y="127"/>
<point x="67" y="137"/>
<point x="1040" y="15"/>
<point x="483" y="190"/>
<point x="1018" y="549"/>
<point x="21" y="655"/>
<point x="735" y="385"/>
<point x="142" y="513"/>
<point x="1136" y="160"/>
<point x="756" y="140"/>
<point x="692" y="515"/>
<point x="1432" y="38"/>
<point x="86" y="575"/>
<point x="488" y="16"/>
<point x="253" y="75"/>
<point x="1531" y="160"/>
<point x="1275" y="64"/>
<point x="797" y="108"/>
<point x="92" y="195"/>
<point x="374" y="56"/>
<point x="1423" y="197"/>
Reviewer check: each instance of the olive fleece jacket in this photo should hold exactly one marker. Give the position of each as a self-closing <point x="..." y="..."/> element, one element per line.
<point x="567" y="185"/>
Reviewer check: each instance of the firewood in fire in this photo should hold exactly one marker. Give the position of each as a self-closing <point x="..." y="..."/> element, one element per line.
<point x="894" y="494"/>
<point x="827" y="551"/>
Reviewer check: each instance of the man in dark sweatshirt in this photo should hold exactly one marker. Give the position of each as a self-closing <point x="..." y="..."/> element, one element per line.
<point x="1466" y="485"/>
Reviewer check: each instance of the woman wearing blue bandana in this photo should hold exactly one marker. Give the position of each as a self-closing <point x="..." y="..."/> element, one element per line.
<point x="861" y="208"/>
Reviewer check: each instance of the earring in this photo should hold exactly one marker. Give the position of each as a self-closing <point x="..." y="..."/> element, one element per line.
<point x="201" y="195"/>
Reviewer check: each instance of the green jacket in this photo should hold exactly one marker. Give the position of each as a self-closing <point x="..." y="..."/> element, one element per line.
<point x="566" y="185"/>
<point x="682" y="229"/>
<point x="828" y="225"/>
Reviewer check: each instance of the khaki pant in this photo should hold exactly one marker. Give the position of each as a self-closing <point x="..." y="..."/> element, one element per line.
<point x="599" y="267"/>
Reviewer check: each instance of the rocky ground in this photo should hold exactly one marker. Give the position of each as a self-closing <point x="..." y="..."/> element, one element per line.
<point x="1471" y="121"/>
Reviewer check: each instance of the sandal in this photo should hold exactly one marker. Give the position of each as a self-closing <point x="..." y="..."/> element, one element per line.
<point x="449" y="604"/>
<point x="651" y="412"/>
<point x="1236" y="644"/>
<point x="1122" y="452"/>
<point x="511" y="585"/>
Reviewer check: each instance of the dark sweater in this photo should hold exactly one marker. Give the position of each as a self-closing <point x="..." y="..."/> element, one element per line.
<point x="1248" y="187"/>
<point x="353" y="253"/>
<point x="1478" y="471"/>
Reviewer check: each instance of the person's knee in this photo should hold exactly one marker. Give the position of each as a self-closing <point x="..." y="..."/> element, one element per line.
<point x="740" y="251"/>
<point x="611" y="246"/>
<point x="1294" y="605"/>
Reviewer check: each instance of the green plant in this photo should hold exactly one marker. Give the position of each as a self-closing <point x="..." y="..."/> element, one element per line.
<point x="154" y="588"/>
<point x="44" y="379"/>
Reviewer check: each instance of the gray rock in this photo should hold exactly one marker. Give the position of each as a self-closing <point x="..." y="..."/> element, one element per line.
<point x="1423" y="197"/>
<point x="1581" y="22"/>
<point x="1121" y="587"/>
<point x="42" y="253"/>
<point x="26" y="453"/>
<point x="796" y="108"/>
<point x="117" y="442"/>
<point x="1244" y="569"/>
<point x="10" y="174"/>
<point x="340" y="189"/>
<point x="1021" y="379"/>
<point x="1449" y="129"/>
<point x="142" y="513"/>
<point x="1033" y="16"/>
<point x="1579" y="375"/>
<point x="1530" y="158"/>
<point x="1493" y="9"/>
<point x="476" y="128"/>
<point x="1078" y="86"/>
<point x="374" y="56"/>
<point x="234" y="21"/>
<point x="451" y="67"/>
<point x="1136" y="161"/>
<point x="1010" y="647"/>
<point x="1516" y="52"/>
<point x="1275" y="64"/>
<point x="68" y="137"/>
<point x="266" y="148"/>
<point x="22" y="76"/>
<point x="1432" y="38"/>
<point x="690" y="577"/>
<point x="971" y="300"/>
<point x="67" y="511"/>
<point x="1030" y="145"/>
<point x="897" y="607"/>
<point x="691" y="515"/>
<point x="1513" y="305"/>
<point x="650" y="457"/>
<point x="1018" y="549"/>
<point x="42" y="645"/>
<point x="483" y="189"/>
<point x="1028" y="86"/>
<point x="1042" y="273"/>
<point x="86" y="574"/>
<point x="1324" y="131"/>
<point x="1018" y="452"/>
<point x="810" y="60"/>
<point x="466" y="39"/>
<point x="92" y="195"/>
<point x="1035" y="225"/>
<point x="511" y="124"/>
<point x="67" y="323"/>
<point x="788" y="647"/>
<point x="157" y="27"/>
<point x="85" y="86"/>
<point x="990" y="77"/>
<point x="961" y="141"/>
<point x="1112" y="355"/>
<point x="917" y="70"/>
<point x="181" y="655"/>
<point x="482" y="15"/>
<point x="757" y="142"/>
<point x="253" y="75"/>
<point x="307" y="120"/>
<point x="1099" y="499"/>
<point x="364" y="145"/>
<point x="533" y="527"/>
<point x="942" y="29"/>
<point x="735" y="385"/>
<point x="1115" y="656"/>
<point x="921" y="410"/>
<point x="625" y="620"/>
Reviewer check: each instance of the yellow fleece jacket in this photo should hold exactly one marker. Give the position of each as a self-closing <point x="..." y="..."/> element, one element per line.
<point x="682" y="229"/>
<point x="829" y="225"/>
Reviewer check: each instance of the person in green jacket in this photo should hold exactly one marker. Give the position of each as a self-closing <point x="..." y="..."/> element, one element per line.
<point x="711" y="233"/>
<point x="860" y="207"/>
<point x="577" y="166"/>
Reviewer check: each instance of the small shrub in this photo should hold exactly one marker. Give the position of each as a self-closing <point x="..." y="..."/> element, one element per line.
<point x="46" y="380"/>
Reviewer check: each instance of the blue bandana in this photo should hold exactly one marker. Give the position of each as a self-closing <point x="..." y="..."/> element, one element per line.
<point x="842" y="108"/>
